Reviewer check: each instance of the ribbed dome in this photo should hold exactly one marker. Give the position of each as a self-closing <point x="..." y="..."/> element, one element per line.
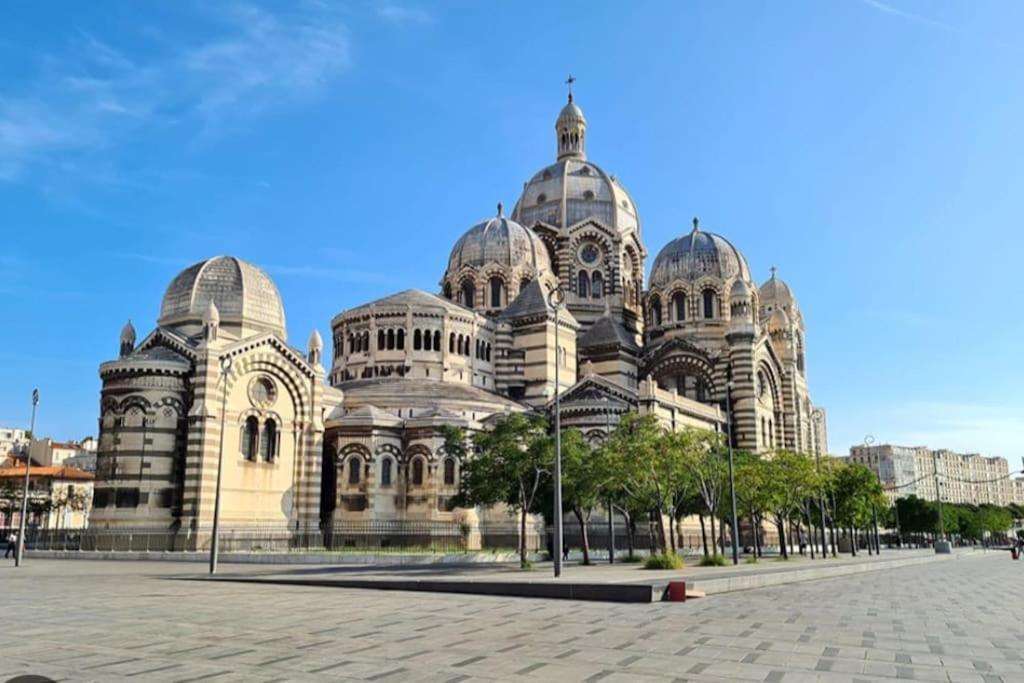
<point x="242" y="293"/>
<point x="128" y="333"/>
<point x="698" y="254"/>
<point x="570" y="113"/>
<point x="777" y="292"/>
<point x="573" y="190"/>
<point x="500" y="241"/>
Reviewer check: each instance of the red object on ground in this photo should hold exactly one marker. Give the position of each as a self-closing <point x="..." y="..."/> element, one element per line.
<point x="676" y="591"/>
<point x="1014" y="553"/>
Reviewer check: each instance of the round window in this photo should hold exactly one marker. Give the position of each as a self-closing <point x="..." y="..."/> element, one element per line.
<point x="589" y="254"/>
<point x="262" y="392"/>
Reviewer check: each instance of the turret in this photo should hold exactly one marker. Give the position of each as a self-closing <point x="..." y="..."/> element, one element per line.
<point x="315" y="348"/>
<point x="211" y="322"/>
<point x="127" y="339"/>
<point x="571" y="130"/>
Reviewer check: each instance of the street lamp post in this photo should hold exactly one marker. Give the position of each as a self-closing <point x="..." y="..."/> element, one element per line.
<point x="732" y="476"/>
<point x="556" y="298"/>
<point x="611" y="508"/>
<point x="817" y="416"/>
<point x="868" y="440"/>
<point x="19" y="552"/>
<point x="225" y="367"/>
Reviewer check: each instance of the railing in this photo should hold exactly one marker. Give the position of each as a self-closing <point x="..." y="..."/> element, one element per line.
<point x="376" y="536"/>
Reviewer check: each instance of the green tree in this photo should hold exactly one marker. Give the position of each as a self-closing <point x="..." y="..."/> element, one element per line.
<point x="789" y="478"/>
<point x="585" y="475"/>
<point x="641" y="467"/>
<point x="710" y="469"/>
<point x="751" y="474"/>
<point x="509" y="465"/>
<point x="858" y="494"/>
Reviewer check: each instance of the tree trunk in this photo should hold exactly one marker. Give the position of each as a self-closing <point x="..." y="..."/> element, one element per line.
<point x="703" y="534"/>
<point x="522" y="539"/>
<point x="630" y="533"/>
<point x="585" y="540"/>
<point x="672" y="534"/>
<point x="714" y="536"/>
<point x="662" y="539"/>
<point x="781" y="524"/>
<point x="853" y="543"/>
<point x="757" y="536"/>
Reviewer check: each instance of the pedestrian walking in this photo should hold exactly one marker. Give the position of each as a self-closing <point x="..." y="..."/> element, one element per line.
<point x="12" y="545"/>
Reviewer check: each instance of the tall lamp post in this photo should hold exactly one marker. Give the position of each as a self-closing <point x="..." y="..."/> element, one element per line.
<point x="20" y="550"/>
<point x="611" y="508"/>
<point x="868" y="440"/>
<point x="817" y="416"/>
<point x="556" y="297"/>
<point x="732" y="476"/>
<point x="225" y="367"/>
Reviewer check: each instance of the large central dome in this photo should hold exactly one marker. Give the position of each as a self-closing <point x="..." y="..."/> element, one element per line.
<point x="573" y="189"/>
<point x="243" y="294"/>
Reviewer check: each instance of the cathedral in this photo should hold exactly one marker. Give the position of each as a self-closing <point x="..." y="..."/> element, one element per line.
<point x="548" y="299"/>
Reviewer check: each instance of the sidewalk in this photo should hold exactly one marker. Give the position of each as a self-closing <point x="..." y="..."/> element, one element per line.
<point x="577" y="580"/>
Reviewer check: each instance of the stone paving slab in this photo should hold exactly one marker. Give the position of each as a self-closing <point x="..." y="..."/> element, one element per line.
<point x="84" y="621"/>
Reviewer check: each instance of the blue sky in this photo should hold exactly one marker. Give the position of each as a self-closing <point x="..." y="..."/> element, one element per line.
<point x="871" y="150"/>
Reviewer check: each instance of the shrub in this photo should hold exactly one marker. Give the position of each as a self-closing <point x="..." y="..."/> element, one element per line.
<point x="663" y="561"/>
<point x="630" y="559"/>
<point x="715" y="560"/>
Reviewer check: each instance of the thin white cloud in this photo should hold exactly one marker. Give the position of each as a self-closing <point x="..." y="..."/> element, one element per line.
<point x="403" y="14"/>
<point x="935" y="24"/>
<point x="94" y="95"/>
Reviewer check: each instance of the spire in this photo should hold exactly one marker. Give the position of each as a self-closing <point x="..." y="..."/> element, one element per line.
<point x="696" y="224"/>
<point x="211" y="322"/>
<point x="501" y="209"/>
<point x="316" y="345"/>
<point x="571" y="129"/>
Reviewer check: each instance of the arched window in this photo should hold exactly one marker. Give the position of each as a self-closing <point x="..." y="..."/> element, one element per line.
<point x="583" y="284"/>
<point x="354" y="467"/>
<point x="451" y="343"/>
<point x="385" y="472"/>
<point x="417" y="340"/>
<point x="589" y="194"/>
<point x="449" y="471"/>
<point x="597" y="282"/>
<point x="400" y="341"/>
<point x="487" y="353"/>
<point x="268" y="441"/>
<point x="465" y="348"/>
<point x="679" y="306"/>
<point x="391" y="340"/>
<point x="437" y="340"/>
<point x="468" y="294"/>
<point x="250" y="438"/>
<point x="497" y="292"/>
<point x="381" y="340"/>
<point x="417" y="472"/>
<point x="351" y="343"/>
<point x="709" y="303"/>
<point x="458" y="345"/>
<point x="655" y="305"/>
<point x="447" y="291"/>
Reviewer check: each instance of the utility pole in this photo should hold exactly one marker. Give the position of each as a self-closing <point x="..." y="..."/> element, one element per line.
<point x="225" y="367"/>
<point x="732" y="477"/>
<point x="19" y="552"/>
<point x="611" y="508"/>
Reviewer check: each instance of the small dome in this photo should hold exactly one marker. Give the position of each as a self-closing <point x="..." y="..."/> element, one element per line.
<point x="776" y="291"/>
<point x="316" y="342"/>
<point x="128" y="333"/>
<point x="740" y="290"/>
<point x="571" y="113"/>
<point x="698" y="254"/>
<point x="779" y="321"/>
<point x="243" y="294"/>
<point x="501" y="241"/>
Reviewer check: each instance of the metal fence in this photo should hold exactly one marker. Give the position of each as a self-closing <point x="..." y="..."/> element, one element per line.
<point x="377" y="536"/>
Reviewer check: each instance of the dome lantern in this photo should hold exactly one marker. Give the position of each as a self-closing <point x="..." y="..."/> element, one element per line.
<point x="571" y="129"/>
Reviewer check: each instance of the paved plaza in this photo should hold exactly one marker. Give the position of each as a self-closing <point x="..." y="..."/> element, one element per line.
<point x="956" y="620"/>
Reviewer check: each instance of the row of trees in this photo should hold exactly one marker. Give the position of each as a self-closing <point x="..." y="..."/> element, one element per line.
<point x="980" y="523"/>
<point x="647" y="472"/>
